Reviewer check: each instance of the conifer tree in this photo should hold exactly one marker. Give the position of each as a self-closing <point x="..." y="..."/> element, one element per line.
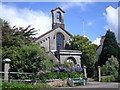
<point x="110" y="47"/>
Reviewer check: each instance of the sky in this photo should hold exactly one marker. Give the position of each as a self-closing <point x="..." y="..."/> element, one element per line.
<point x="98" y="17"/>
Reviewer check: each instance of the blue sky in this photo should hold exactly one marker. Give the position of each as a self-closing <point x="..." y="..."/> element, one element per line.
<point x="98" y="16"/>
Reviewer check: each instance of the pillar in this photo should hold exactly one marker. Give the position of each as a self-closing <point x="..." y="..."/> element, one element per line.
<point x="99" y="74"/>
<point x="85" y="74"/>
<point x="6" y="68"/>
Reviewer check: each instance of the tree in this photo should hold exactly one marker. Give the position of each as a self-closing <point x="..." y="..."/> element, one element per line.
<point x="88" y="51"/>
<point x="27" y="58"/>
<point x="110" y="47"/>
<point x="118" y="54"/>
<point x="16" y="35"/>
<point x="25" y="55"/>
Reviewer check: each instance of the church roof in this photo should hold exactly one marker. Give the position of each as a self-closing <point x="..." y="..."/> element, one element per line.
<point x="51" y="31"/>
<point x="58" y="8"/>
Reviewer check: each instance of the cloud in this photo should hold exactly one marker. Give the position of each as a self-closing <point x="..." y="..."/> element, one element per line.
<point x="97" y="41"/>
<point x="90" y="23"/>
<point x="68" y="5"/>
<point x="111" y="16"/>
<point x="85" y="36"/>
<point x="24" y="17"/>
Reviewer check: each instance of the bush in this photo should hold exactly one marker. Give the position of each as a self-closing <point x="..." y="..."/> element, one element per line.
<point x="108" y="79"/>
<point x="43" y="85"/>
<point x="111" y="68"/>
<point x="21" y="86"/>
<point x="61" y="75"/>
<point x="16" y="85"/>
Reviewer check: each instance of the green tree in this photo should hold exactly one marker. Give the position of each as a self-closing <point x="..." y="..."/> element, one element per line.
<point x="119" y="55"/>
<point x="25" y="55"/>
<point x="16" y="35"/>
<point x="88" y="51"/>
<point x="27" y="58"/>
<point x="110" y="47"/>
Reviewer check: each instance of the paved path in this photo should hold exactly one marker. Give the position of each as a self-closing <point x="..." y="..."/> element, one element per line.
<point x="100" y="85"/>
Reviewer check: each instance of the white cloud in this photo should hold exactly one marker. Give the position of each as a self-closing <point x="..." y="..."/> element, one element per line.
<point x="90" y="23"/>
<point x="97" y="41"/>
<point x="85" y="36"/>
<point x="24" y="17"/>
<point x="111" y="16"/>
<point x="69" y="5"/>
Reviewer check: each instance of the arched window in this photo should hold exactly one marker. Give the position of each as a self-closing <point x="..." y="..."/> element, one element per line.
<point x="72" y="60"/>
<point x="58" y="17"/>
<point x="59" y="41"/>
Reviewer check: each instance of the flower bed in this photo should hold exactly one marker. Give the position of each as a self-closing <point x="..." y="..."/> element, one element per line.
<point x="61" y="71"/>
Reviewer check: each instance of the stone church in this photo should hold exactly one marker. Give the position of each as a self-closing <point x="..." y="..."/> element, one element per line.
<point x="56" y="40"/>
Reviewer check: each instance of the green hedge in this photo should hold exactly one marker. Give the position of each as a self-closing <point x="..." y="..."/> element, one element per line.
<point x="23" y="86"/>
<point x="61" y="75"/>
<point x="16" y="85"/>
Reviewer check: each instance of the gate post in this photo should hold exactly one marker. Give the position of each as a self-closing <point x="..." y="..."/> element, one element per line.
<point x="99" y="74"/>
<point x="6" y="68"/>
<point x="85" y="74"/>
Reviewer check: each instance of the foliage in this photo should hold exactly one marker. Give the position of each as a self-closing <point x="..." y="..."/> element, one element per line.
<point x="16" y="85"/>
<point x="27" y="58"/>
<point x="111" y="67"/>
<point x="118" y="54"/>
<point x="88" y="51"/>
<point x="108" y="79"/>
<point x="42" y="85"/>
<point x="24" y="54"/>
<point x="61" y="75"/>
<point x="61" y="71"/>
<point x="16" y="35"/>
<point x="110" y="47"/>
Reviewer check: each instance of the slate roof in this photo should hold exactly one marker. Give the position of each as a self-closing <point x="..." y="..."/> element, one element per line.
<point x="58" y="8"/>
<point x="51" y="31"/>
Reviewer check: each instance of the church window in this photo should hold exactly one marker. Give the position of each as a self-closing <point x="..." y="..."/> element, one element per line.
<point x="58" y="17"/>
<point x="71" y="61"/>
<point x="59" y="41"/>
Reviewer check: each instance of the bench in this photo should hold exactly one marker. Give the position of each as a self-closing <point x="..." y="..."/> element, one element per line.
<point x="72" y="81"/>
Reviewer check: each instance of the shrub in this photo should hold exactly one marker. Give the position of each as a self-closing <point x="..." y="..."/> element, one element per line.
<point x="108" y="79"/>
<point x="61" y="75"/>
<point x="111" y="68"/>
<point x="16" y="85"/>
<point x="43" y="85"/>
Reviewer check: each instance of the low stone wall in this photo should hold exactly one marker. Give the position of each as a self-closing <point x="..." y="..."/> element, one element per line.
<point x="57" y="82"/>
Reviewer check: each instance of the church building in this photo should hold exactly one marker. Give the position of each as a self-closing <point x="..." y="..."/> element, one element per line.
<point x="56" y="40"/>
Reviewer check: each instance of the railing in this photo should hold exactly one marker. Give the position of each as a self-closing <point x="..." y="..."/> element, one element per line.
<point x="9" y="73"/>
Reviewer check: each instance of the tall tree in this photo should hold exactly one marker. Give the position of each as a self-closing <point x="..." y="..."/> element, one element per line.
<point x="25" y="55"/>
<point x="110" y="47"/>
<point x="88" y="51"/>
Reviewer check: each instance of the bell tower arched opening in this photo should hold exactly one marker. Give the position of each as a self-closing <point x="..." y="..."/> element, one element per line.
<point x="57" y="17"/>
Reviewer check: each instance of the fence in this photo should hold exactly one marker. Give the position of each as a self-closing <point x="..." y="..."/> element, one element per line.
<point x="9" y="73"/>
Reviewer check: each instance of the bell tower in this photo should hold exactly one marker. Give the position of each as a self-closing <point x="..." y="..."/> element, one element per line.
<point x="57" y="18"/>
